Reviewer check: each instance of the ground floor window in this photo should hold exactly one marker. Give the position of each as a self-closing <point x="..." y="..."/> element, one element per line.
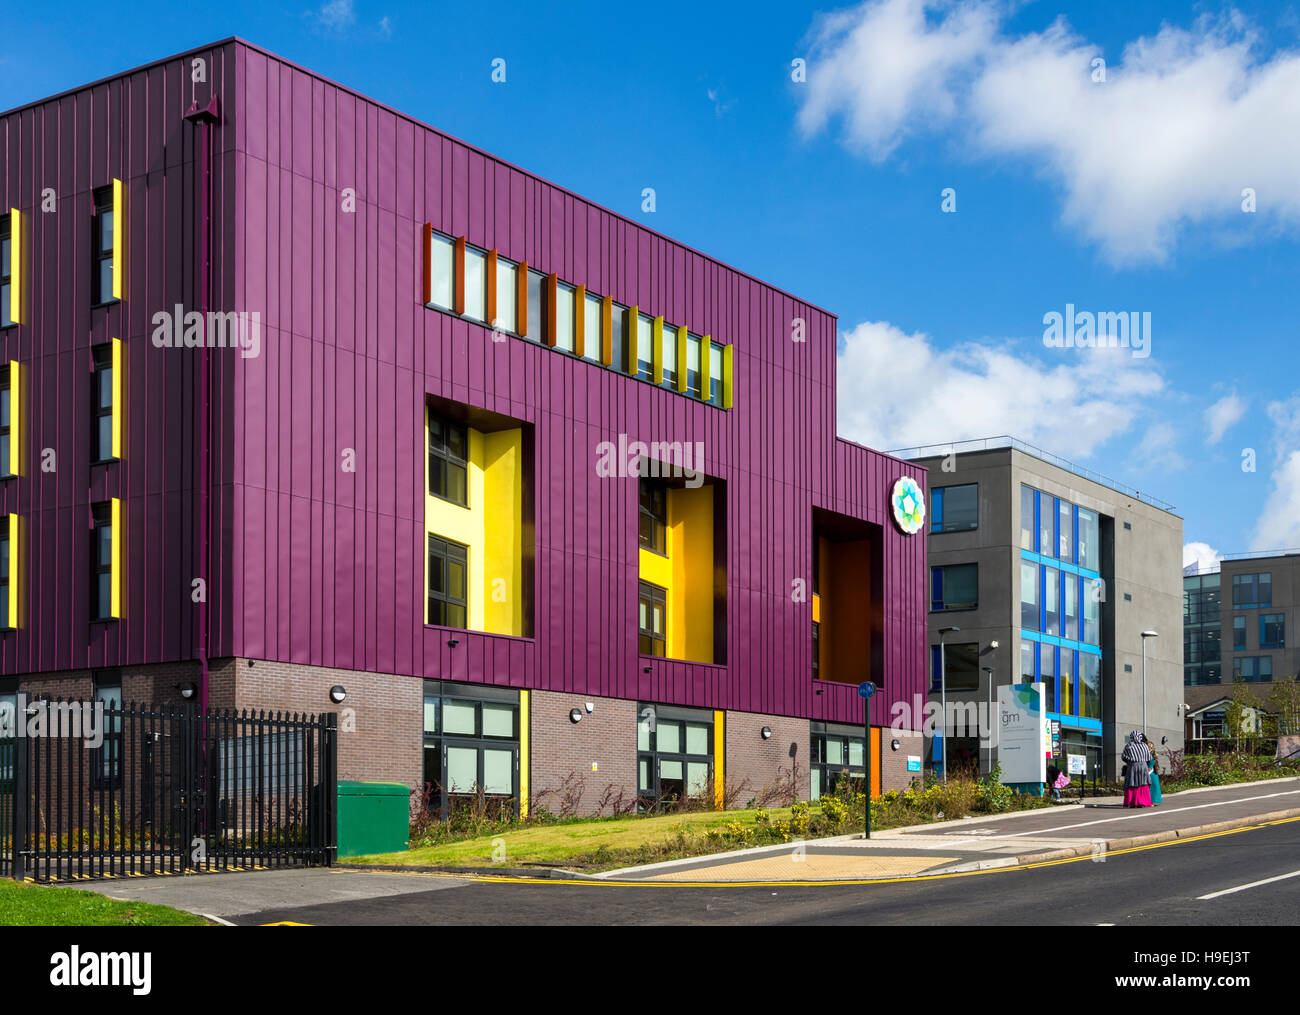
<point x="471" y="749"/>
<point x="674" y="755"/>
<point x="836" y="753"/>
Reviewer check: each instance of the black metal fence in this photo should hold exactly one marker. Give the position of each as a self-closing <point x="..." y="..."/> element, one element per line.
<point x="92" y="789"/>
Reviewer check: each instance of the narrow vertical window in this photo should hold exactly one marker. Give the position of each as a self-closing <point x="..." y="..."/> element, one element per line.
<point x="618" y="337"/>
<point x="669" y="353"/>
<point x="476" y="284"/>
<point x="6" y="406"/>
<point x="7" y="619"/>
<point x="564" y="309"/>
<point x="536" y="302"/>
<point x="644" y="347"/>
<point x="7" y="302"/>
<point x="442" y="270"/>
<point x="103" y="230"/>
<point x="449" y="460"/>
<point x="651" y="620"/>
<point x="693" y="365"/>
<point x="653" y="517"/>
<point x="448" y="579"/>
<point x="715" y="374"/>
<point x="103" y="388"/>
<point x="507" y="296"/>
<point x="101" y="562"/>
<point x="591" y="328"/>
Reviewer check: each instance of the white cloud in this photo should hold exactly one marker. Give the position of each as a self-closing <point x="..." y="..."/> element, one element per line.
<point x="1203" y="555"/>
<point x="386" y="27"/>
<point x="1278" y="527"/>
<point x="1185" y="120"/>
<point x="335" y="16"/>
<point x="897" y="390"/>
<point x="1222" y="415"/>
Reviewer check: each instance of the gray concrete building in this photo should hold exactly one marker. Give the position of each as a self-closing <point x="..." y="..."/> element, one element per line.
<point x="1051" y="573"/>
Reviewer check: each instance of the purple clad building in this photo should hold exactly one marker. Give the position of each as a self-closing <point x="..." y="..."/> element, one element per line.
<point x="308" y="406"/>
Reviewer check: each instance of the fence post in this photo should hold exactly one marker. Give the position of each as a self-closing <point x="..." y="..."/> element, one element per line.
<point x="19" y="837"/>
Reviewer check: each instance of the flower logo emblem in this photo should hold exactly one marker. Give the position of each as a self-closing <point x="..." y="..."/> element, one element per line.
<point x="909" y="505"/>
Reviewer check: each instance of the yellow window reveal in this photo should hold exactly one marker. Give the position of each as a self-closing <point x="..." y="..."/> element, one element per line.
<point x="119" y="246"/>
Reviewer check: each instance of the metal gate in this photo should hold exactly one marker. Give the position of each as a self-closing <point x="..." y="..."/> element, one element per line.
<point x="93" y="789"/>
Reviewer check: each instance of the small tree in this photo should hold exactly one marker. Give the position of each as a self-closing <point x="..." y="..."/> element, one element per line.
<point x="1239" y="717"/>
<point x="1284" y="703"/>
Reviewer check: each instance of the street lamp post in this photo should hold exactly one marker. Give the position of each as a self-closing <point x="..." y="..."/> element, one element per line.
<point x="1145" y="636"/>
<point x="943" y="695"/>
<point x="989" y="670"/>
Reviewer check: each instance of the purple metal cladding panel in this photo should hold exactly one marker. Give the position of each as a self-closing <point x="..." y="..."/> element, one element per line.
<point x="352" y="355"/>
<point x="314" y="564"/>
<point x="55" y="154"/>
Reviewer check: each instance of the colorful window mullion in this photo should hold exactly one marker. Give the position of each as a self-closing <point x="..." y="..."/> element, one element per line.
<point x="119" y="246"/>
<point x="119" y="406"/>
<point x="13" y="566"/>
<point x="17" y="308"/>
<point x="17" y="414"/>
<point x="115" y="583"/>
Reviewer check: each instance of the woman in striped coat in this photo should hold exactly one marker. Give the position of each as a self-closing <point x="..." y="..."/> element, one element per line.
<point x="1136" y="771"/>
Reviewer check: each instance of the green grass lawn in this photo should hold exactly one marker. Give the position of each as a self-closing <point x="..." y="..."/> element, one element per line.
<point x="561" y="843"/>
<point x="24" y="905"/>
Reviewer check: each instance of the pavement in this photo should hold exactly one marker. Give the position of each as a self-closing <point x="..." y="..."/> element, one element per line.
<point x="1095" y="826"/>
<point x="995" y="843"/>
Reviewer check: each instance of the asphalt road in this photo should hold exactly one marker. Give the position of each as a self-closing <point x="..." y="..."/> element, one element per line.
<point x="1152" y="885"/>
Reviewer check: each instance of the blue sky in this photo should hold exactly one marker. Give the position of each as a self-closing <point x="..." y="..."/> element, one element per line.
<point x="1114" y="195"/>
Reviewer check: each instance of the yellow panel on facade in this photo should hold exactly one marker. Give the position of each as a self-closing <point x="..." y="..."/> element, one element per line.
<point x="719" y="759"/>
<point x="690" y="518"/>
<point x="17" y="418"/>
<point x="681" y="358"/>
<point x="119" y="245"/>
<point x="607" y="331"/>
<point x="728" y="375"/>
<point x="503" y="531"/>
<point x="704" y="368"/>
<point x="657" y="352"/>
<point x="119" y="387"/>
<point x="14" y="569"/>
<point x="580" y="321"/>
<point x="523" y="753"/>
<point x="490" y="527"/>
<point x="16" y="280"/>
<point x="817" y="609"/>
<point x="633" y="353"/>
<point x="115" y="578"/>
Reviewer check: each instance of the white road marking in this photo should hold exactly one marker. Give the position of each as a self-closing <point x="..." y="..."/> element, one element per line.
<point x="1145" y="813"/>
<point x="1253" y="884"/>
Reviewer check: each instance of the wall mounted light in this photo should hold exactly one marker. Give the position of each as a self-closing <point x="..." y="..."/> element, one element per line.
<point x="337" y="693"/>
<point x="575" y="716"/>
<point x="250" y="664"/>
<point x="646" y="670"/>
<point x="453" y="642"/>
<point x="894" y="745"/>
<point x="187" y="691"/>
<point x="590" y="708"/>
<point x="766" y="732"/>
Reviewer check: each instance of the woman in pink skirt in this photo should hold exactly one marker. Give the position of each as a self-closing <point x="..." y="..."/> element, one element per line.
<point x="1135" y="757"/>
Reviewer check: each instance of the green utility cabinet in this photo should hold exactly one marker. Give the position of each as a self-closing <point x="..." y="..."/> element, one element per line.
<point x="374" y="817"/>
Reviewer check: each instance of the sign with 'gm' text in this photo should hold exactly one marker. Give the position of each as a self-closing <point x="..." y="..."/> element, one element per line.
<point x="1026" y="737"/>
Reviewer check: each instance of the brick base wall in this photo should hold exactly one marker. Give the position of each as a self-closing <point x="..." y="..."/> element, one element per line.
<point x="381" y="722"/>
<point x="560" y="748"/>
<point x="893" y="764"/>
<point x="753" y="764"/>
